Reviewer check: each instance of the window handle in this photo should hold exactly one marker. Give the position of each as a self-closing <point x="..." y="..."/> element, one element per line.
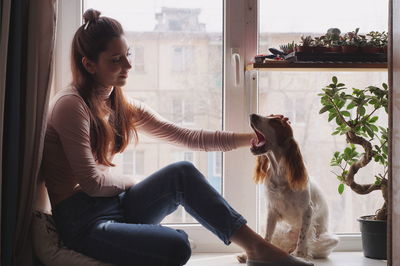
<point x="236" y="65"/>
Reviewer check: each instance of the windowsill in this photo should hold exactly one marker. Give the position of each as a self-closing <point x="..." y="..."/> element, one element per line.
<point x="335" y="259"/>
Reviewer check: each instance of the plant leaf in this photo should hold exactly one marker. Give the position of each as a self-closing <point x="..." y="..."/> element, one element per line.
<point x="325" y="108"/>
<point x="341" y="188"/>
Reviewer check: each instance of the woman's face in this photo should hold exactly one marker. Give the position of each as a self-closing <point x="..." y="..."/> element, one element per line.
<point x="113" y="65"/>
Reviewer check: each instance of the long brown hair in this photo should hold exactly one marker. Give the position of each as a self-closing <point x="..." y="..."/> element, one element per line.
<point x="107" y="137"/>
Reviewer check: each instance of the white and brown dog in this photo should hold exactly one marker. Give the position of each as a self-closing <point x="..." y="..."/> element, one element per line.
<point x="292" y="199"/>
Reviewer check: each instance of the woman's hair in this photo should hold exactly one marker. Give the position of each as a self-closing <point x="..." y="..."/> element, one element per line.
<point x="107" y="137"/>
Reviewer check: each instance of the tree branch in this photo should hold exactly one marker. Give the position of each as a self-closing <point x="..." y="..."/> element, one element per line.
<point x="338" y="112"/>
<point x="363" y="161"/>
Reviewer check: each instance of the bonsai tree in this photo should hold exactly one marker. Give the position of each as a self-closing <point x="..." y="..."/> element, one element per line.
<point x="353" y="114"/>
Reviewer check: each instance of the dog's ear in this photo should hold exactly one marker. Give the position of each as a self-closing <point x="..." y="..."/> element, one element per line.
<point x="296" y="170"/>
<point x="260" y="171"/>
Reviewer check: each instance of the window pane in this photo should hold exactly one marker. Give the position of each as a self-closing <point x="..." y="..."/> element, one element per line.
<point x="177" y="53"/>
<point x="139" y="163"/>
<point x="294" y="93"/>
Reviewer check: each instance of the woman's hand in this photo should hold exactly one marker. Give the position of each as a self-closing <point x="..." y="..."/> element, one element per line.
<point x="244" y="139"/>
<point x="129" y="181"/>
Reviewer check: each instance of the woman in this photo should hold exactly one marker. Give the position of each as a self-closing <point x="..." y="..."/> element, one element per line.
<point x="108" y="217"/>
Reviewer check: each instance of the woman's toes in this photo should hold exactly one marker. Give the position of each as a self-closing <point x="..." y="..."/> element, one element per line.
<point x="242" y="258"/>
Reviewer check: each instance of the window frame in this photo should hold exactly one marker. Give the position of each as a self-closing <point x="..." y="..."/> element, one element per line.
<point x="239" y="100"/>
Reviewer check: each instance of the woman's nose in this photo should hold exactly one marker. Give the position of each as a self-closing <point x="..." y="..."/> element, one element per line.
<point x="127" y="63"/>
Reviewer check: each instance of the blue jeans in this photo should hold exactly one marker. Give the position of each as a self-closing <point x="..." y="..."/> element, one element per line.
<point x="126" y="230"/>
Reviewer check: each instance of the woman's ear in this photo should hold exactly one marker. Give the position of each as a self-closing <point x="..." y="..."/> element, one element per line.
<point x="88" y="65"/>
<point x="260" y="171"/>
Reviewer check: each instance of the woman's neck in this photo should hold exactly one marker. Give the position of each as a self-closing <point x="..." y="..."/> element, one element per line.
<point x="105" y="92"/>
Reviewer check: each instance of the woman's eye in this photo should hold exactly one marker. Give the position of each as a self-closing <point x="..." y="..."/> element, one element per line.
<point x="116" y="59"/>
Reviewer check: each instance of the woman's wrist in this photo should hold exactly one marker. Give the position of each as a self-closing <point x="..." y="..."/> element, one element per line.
<point x="244" y="139"/>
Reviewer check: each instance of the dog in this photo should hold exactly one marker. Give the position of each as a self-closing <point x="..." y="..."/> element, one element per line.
<point x="293" y="199"/>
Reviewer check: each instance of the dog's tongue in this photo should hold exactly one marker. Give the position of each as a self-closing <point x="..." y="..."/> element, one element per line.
<point x="259" y="141"/>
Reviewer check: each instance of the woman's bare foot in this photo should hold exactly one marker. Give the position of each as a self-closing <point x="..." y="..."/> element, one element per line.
<point x="256" y="248"/>
<point x="265" y="251"/>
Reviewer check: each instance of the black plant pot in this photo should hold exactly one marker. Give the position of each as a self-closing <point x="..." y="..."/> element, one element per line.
<point x="373" y="234"/>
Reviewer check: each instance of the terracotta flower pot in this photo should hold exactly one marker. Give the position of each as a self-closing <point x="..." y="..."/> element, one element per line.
<point x="349" y="49"/>
<point x="304" y="49"/>
<point x="335" y="49"/>
<point x="320" y="49"/>
<point x="371" y="50"/>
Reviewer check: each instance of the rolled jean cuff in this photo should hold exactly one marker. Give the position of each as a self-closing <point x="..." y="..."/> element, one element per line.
<point x="240" y="221"/>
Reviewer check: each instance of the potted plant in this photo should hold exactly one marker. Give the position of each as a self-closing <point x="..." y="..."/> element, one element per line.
<point x="332" y="40"/>
<point x="351" y="42"/>
<point x="305" y="45"/>
<point x="384" y="41"/>
<point x="287" y="48"/>
<point x="320" y="45"/>
<point x="373" y="43"/>
<point x="361" y="130"/>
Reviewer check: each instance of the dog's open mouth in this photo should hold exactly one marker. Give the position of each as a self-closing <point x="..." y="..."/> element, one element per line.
<point x="258" y="144"/>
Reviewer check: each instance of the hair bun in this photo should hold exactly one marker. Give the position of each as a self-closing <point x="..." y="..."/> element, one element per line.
<point x="91" y="15"/>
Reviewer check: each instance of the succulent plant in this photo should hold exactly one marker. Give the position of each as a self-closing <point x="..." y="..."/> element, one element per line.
<point x="306" y="41"/>
<point x="287" y="48"/>
<point x="332" y="37"/>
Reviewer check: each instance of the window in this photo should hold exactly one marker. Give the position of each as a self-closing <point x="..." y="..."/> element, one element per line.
<point x="164" y="36"/>
<point x="188" y="64"/>
<point x="294" y="93"/>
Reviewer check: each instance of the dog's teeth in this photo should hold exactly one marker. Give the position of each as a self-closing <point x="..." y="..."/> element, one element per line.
<point x="262" y="143"/>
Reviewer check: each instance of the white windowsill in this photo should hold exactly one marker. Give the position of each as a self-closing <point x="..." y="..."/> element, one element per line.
<point x="335" y="259"/>
<point x="203" y="241"/>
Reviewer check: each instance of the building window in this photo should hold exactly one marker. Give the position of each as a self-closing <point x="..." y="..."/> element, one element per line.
<point x="217" y="163"/>
<point x="138" y="60"/>
<point x="133" y="163"/>
<point x="184" y="156"/>
<point x="182" y="56"/>
<point x="182" y="111"/>
<point x="295" y="109"/>
<point x="139" y="163"/>
<point x="188" y="156"/>
<point x="127" y="162"/>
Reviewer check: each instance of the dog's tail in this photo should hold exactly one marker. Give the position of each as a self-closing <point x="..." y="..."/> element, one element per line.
<point x="322" y="246"/>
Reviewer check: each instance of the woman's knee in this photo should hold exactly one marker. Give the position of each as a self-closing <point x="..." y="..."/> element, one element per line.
<point x="185" y="166"/>
<point x="180" y="248"/>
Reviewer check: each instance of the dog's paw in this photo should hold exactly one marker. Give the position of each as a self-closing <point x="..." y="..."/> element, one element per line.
<point x="301" y="254"/>
<point x="242" y="258"/>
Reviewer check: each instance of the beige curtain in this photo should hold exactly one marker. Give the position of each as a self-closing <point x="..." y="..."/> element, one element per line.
<point x="41" y="41"/>
<point x="4" y="19"/>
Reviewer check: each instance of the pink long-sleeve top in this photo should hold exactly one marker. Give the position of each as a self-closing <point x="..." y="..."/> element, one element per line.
<point x="68" y="163"/>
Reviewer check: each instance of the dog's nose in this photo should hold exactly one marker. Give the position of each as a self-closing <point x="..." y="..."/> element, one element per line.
<point x="253" y="117"/>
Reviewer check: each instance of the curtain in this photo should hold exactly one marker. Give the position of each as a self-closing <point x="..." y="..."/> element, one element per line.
<point x="31" y="40"/>
<point x="4" y="20"/>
